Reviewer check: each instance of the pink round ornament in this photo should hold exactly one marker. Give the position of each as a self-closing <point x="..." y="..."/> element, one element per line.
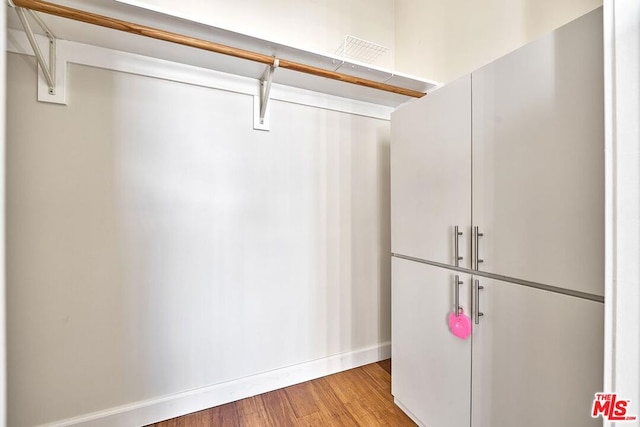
<point x="460" y="325"/>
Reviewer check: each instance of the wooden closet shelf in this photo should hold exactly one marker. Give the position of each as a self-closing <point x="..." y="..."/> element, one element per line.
<point x="237" y="52"/>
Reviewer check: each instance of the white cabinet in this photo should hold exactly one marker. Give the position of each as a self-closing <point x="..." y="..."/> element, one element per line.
<point x="538" y="163"/>
<point x="534" y="357"/>
<point x="431" y="175"/>
<point x="431" y="367"/>
<point x="537" y="358"/>
<point x="515" y="149"/>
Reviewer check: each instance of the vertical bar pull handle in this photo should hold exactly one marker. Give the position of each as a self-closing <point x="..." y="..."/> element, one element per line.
<point x="477" y="234"/>
<point x="476" y="312"/>
<point x="456" y="246"/>
<point x="456" y="293"/>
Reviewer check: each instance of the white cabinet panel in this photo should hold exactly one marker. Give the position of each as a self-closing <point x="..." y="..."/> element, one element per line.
<point x="517" y="150"/>
<point x="431" y="174"/>
<point x="431" y="367"/>
<point x="537" y="358"/>
<point x="538" y="177"/>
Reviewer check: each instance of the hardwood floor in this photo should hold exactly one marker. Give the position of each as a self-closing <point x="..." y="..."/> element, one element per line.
<point x="357" y="397"/>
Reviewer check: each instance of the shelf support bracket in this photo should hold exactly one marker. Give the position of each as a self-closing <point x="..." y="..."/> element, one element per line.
<point x="48" y="70"/>
<point x="261" y="120"/>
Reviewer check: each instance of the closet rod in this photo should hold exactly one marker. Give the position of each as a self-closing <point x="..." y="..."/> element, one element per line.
<point x="154" y="33"/>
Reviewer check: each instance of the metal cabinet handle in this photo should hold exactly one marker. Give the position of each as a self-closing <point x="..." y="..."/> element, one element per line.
<point x="477" y="234"/>
<point x="477" y="313"/>
<point x="456" y="292"/>
<point x="456" y="246"/>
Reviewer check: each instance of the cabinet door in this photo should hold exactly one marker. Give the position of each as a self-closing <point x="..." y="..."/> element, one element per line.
<point x="431" y="174"/>
<point x="538" y="159"/>
<point x="431" y="368"/>
<point x="537" y="358"/>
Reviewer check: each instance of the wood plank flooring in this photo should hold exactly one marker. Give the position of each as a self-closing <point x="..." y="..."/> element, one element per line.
<point x="357" y="397"/>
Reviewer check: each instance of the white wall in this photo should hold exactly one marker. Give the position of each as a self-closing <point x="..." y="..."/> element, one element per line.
<point x="622" y="284"/>
<point x="442" y="40"/>
<point x="158" y="244"/>
<point x="315" y="25"/>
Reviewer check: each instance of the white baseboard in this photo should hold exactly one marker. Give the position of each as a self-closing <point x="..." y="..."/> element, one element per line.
<point x="408" y="412"/>
<point x="163" y="408"/>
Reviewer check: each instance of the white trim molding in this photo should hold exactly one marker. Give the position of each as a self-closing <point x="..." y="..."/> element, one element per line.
<point x="622" y="202"/>
<point x="3" y="311"/>
<point x="164" y="408"/>
<point x="93" y="56"/>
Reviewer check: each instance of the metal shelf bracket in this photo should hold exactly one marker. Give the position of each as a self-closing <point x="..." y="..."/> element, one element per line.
<point x="48" y="70"/>
<point x="261" y="116"/>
